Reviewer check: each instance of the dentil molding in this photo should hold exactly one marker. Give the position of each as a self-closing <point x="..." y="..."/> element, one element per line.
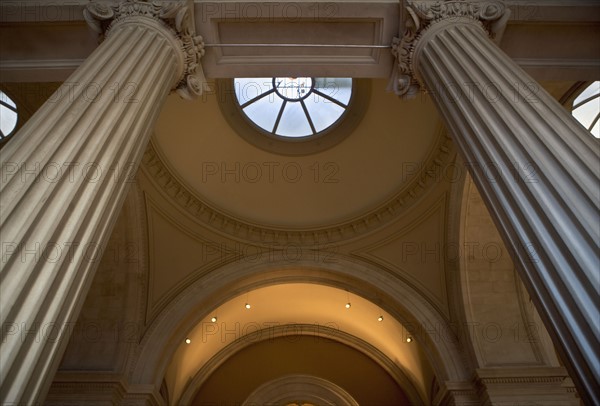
<point x="163" y="176"/>
<point x="419" y="16"/>
<point x="174" y="19"/>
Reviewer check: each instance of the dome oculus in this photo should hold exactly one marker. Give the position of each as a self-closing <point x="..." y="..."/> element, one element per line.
<point x="586" y="108"/>
<point x="293" y="107"/>
<point x="8" y="116"/>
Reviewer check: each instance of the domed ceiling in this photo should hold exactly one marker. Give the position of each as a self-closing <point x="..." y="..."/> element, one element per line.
<point x="326" y="189"/>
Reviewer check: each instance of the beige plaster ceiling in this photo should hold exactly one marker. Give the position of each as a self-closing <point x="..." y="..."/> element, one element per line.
<point x="324" y="189"/>
<point x="393" y="135"/>
<point x="335" y="186"/>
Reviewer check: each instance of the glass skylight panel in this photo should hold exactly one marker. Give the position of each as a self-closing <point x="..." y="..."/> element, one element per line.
<point x="4" y="98"/>
<point x="8" y="115"/>
<point x="586" y="113"/>
<point x="323" y="112"/>
<point x="294" y="122"/>
<point x="591" y="90"/>
<point x="293" y="88"/>
<point x="596" y="129"/>
<point x="293" y="106"/>
<point x="264" y="112"/>
<point x="339" y="89"/>
<point x="586" y="108"/>
<point x="247" y="89"/>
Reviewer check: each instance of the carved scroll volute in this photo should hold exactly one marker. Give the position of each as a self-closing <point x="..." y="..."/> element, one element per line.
<point x="175" y="17"/>
<point x="403" y="81"/>
<point x="418" y="16"/>
<point x="194" y="83"/>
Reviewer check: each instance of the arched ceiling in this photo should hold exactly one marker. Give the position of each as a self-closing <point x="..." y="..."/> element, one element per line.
<point x="269" y="364"/>
<point x="395" y="137"/>
<point x="295" y="309"/>
<point x="331" y="187"/>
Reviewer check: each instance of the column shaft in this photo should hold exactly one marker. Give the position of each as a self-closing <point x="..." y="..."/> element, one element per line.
<point x="64" y="177"/>
<point x="537" y="169"/>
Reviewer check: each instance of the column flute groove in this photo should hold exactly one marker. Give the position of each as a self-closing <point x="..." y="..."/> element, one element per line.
<point x="535" y="166"/>
<point x="91" y="68"/>
<point x="14" y="282"/>
<point x="580" y="287"/>
<point x="551" y="164"/>
<point x="64" y="131"/>
<point x="54" y="230"/>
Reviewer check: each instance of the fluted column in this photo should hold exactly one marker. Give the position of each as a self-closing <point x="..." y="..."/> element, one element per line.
<point x="535" y="166"/>
<point x="65" y="174"/>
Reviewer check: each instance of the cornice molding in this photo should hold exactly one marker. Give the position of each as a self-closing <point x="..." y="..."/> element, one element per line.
<point x="522" y="379"/>
<point x="456" y="393"/>
<point x="98" y="389"/>
<point x="550" y="385"/>
<point x="160" y="340"/>
<point x="162" y="175"/>
<point x="420" y="16"/>
<point x="174" y="20"/>
<point x="552" y="376"/>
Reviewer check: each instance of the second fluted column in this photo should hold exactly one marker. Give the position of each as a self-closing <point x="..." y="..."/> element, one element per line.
<point x="535" y="166"/>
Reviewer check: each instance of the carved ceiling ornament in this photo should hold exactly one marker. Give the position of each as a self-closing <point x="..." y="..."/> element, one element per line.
<point x="162" y="175"/>
<point x="176" y="17"/>
<point x="419" y="16"/>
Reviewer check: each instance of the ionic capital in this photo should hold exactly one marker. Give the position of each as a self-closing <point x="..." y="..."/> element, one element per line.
<point x="173" y="20"/>
<point x="418" y="17"/>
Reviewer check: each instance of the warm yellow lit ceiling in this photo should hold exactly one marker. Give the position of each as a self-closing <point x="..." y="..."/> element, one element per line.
<point x="395" y="137"/>
<point x="323" y="189"/>
<point x="341" y="184"/>
<point x="296" y="305"/>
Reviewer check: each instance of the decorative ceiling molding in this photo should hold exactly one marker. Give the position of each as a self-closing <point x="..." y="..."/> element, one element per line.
<point x="457" y="392"/>
<point x="27" y="23"/>
<point x="499" y="385"/>
<point x="168" y="330"/>
<point x="92" y="388"/>
<point x="163" y="176"/>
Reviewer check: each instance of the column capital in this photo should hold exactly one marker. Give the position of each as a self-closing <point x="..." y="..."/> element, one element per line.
<point x="175" y="20"/>
<point x="418" y="17"/>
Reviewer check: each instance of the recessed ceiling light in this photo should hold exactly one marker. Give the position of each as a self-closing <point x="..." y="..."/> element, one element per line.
<point x="248" y="306"/>
<point x="348" y="305"/>
<point x="214" y="319"/>
<point x="187" y="341"/>
<point x="380" y="318"/>
<point x="408" y="339"/>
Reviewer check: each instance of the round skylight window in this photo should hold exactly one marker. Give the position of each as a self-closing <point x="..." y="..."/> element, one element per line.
<point x="8" y="116"/>
<point x="586" y="108"/>
<point x="293" y="107"/>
